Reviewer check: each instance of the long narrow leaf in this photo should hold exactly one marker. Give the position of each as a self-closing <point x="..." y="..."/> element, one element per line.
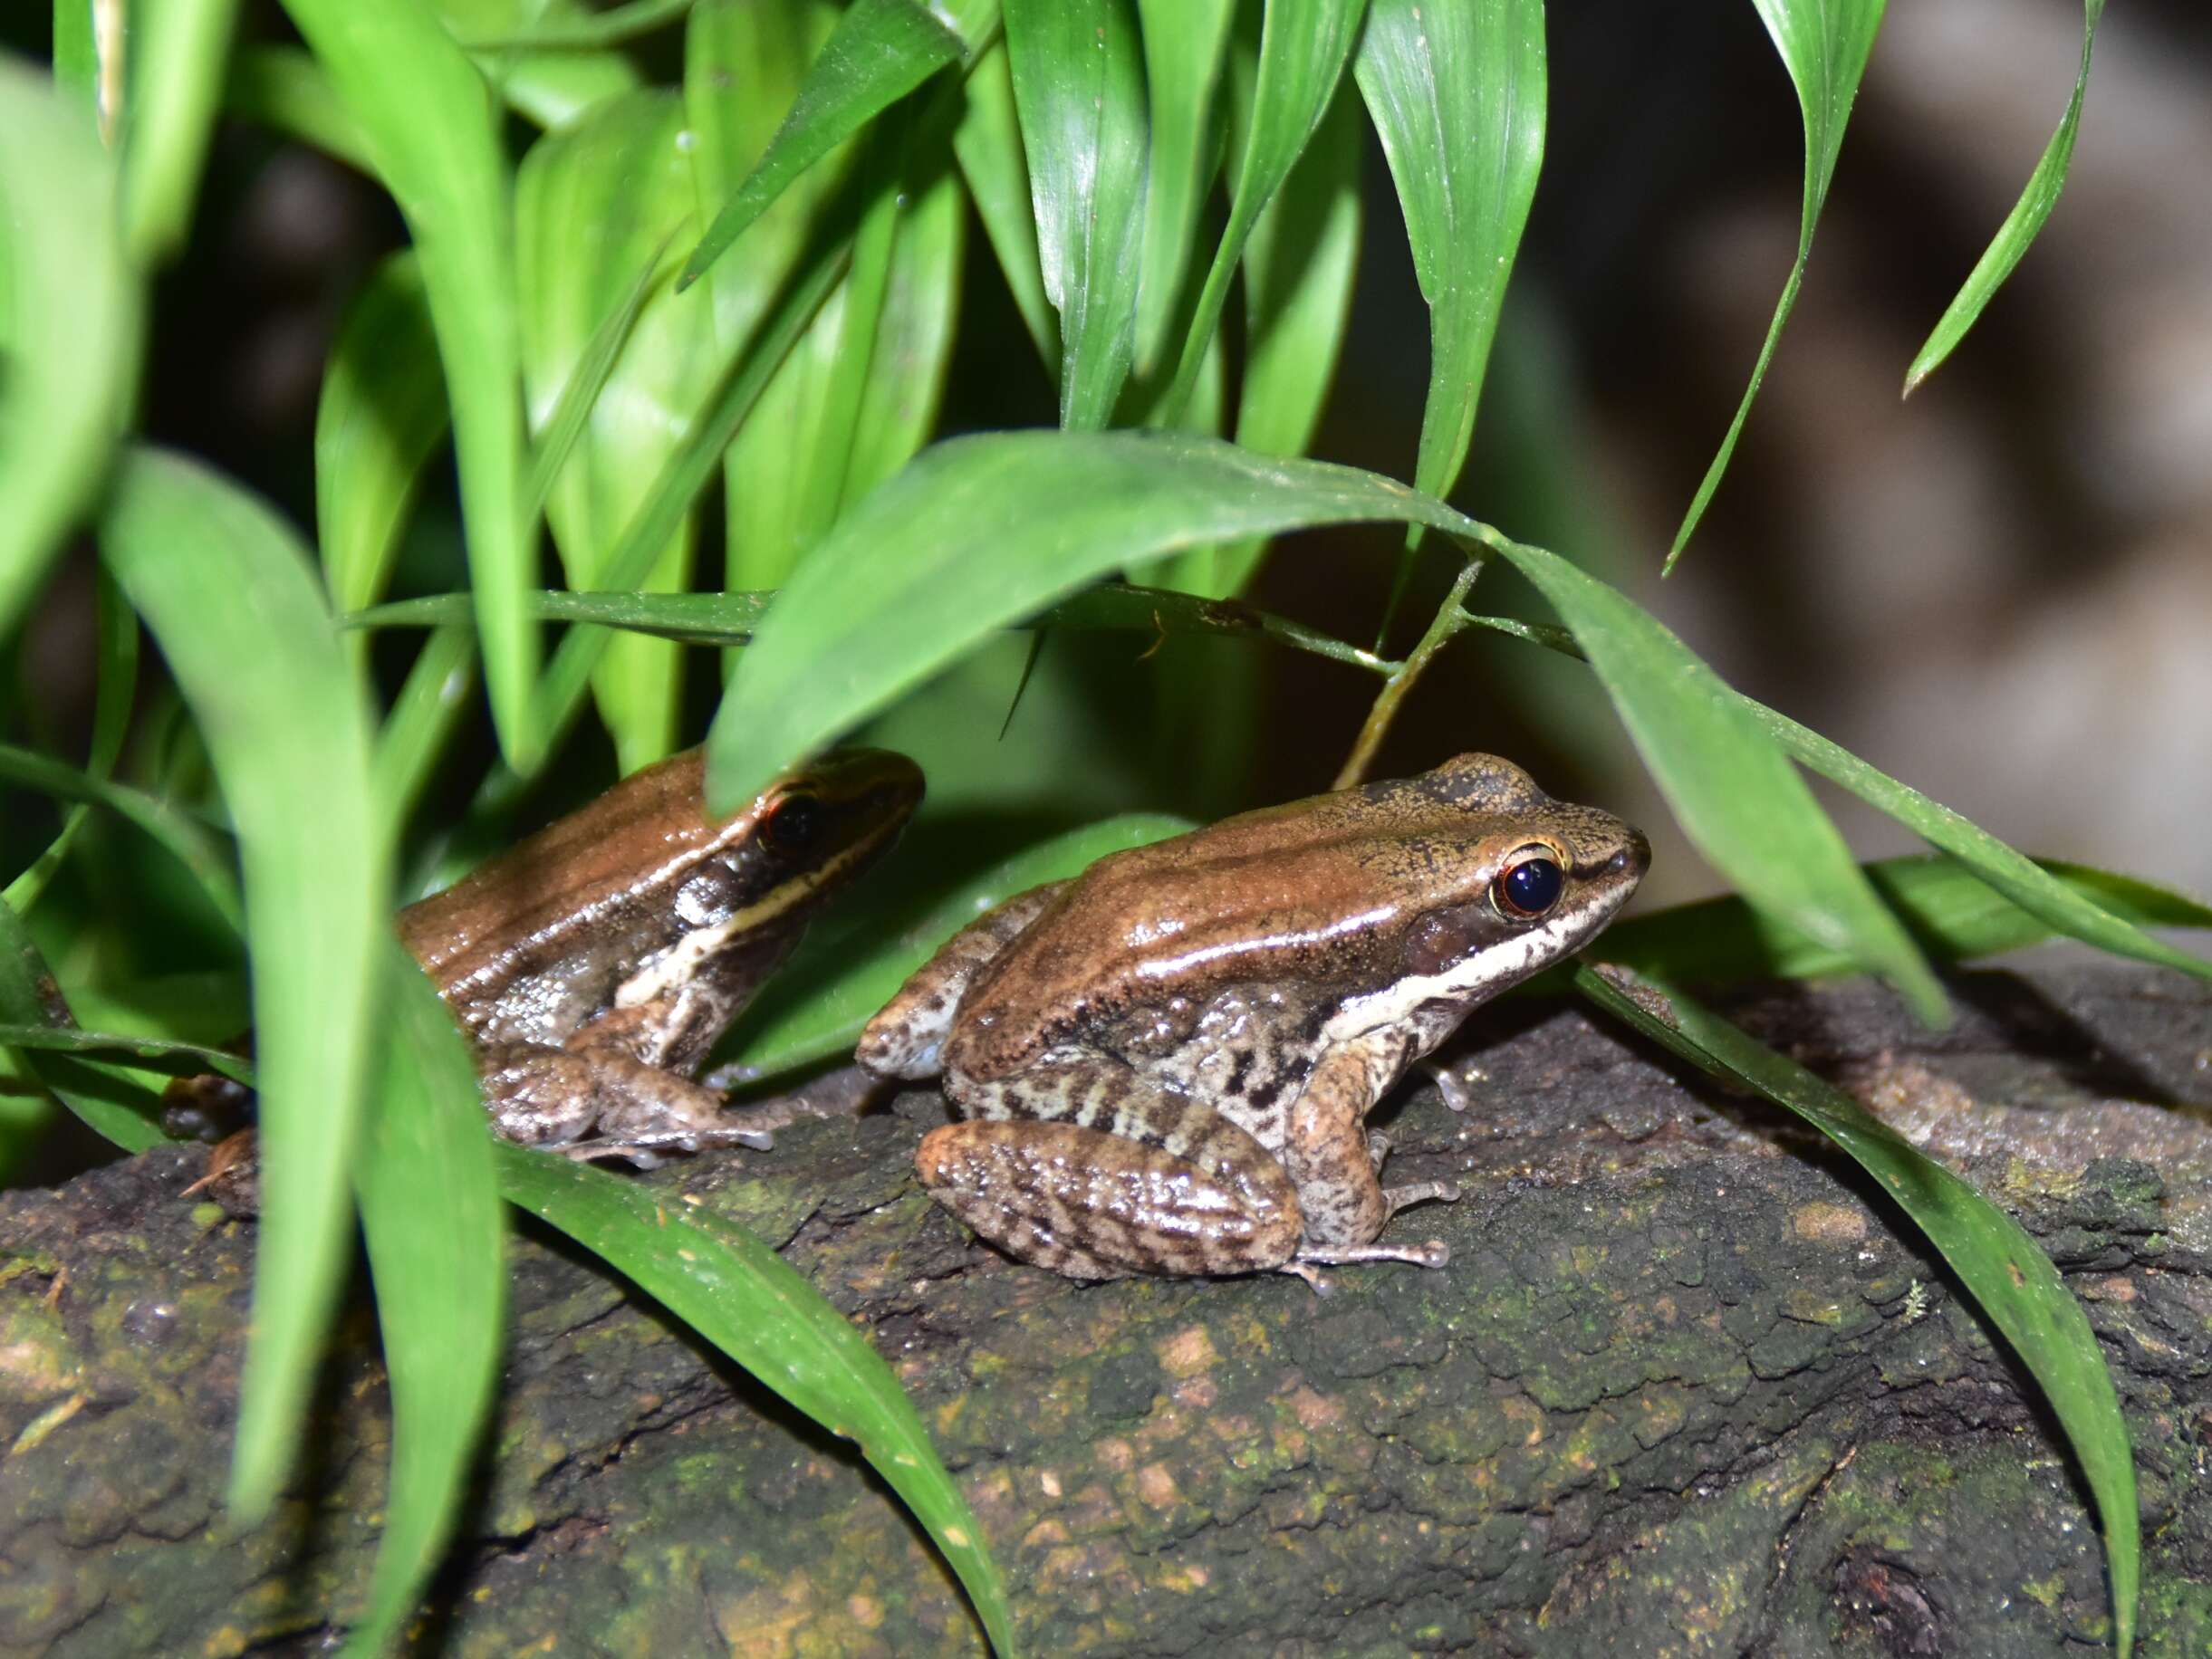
<point x="382" y="413"/>
<point x="881" y="51"/>
<point x="284" y="89"/>
<point x="179" y="56"/>
<point x="431" y="1212"/>
<point x="1078" y="86"/>
<point x="742" y="1297"/>
<point x="432" y="130"/>
<point x="107" y="1101"/>
<point x="1457" y="93"/>
<point x="1824" y="45"/>
<point x="988" y="142"/>
<point x="2021" y="226"/>
<point x="1185" y="45"/>
<point x="68" y="328"/>
<point x="227" y="591"/>
<point x="2009" y="1276"/>
<point x="1303" y="54"/>
<point x="1953" y="913"/>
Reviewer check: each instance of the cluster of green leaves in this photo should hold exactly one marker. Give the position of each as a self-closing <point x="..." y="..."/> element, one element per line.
<point x="752" y="276"/>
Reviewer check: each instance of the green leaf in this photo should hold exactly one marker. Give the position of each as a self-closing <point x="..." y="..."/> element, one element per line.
<point x="690" y="469"/>
<point x="912" y="350"/>
<point x="742" y="1297"/>
<point x="116" y="669"/>
<point x="1303" y="54"/>
<point x="611" y="27"/>
<point x="2011" y="873"/>
<point x="108" y="1101"/>
<point x="880" y="50"/>
<point x="2010" y="1279"/>
<point x="284" y="89"/>
<point x="1951" y="912"/>
<point x="981" y="531"/>
<point x="988" y="142"/>
<point x="430" y="1211"/>
<point x="554" y="89"/>
<point x="1298" y="265"/>
<point x="1184" y="45"/>
<point x="433" y="133"/>
<point x="1824" y="45"/>
<point x="382" y="413"/>
<point x="143" y="1053"/>
<point x="70" y="318"/>
<point x="816" y="1007"/>
<point x="2021" y="226"/>
<point x="622" y="173"/>
<point x="1078" y="87"/>
<point x="1730" y="785"/>
<point x="227" y="591"/>
<point x="1456" y="95"/>
<point x="178" y="55"/>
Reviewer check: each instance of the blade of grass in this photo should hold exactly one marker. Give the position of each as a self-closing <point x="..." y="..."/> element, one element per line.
<point x="1078" y="90"/>
<point x="2010" y="1279"/>
<point x="2021" y="226"/>
<point x="70" y="310"/>
<point x="421" y="721"/>
<point x="1824" y="45"/>
<point x="1951" y="912"/>
<point x="988" y="142"/>
<point x="226" y="589"/>
<point x="284" y="89"/>
<point x="816" y="1007"/>
<point x="432" y="130"/>
<point x="116" y="665"/>
<point x="1185" y="44"/>
<point x="912" y="353"/>
<point x="880" y="50"/>
<point x="179" y="51"/>
<point x="1298" y="266"/>
<point x="745" y="1300"/>
<point x="1303" y="54"/>
<point x="379" y="417"/>
<point x="193" y="844"/>
<point x="1730" y="785"/>
<point x="431" y="1213"/>
<point x="1456" y="95"/>
<point x="108" y="1102"/>
<point x="162" y="1054"/>
<point x="622" y="171"/>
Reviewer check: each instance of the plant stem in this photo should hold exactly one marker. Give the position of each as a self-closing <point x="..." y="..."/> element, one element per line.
<point x="1448" y="621"/>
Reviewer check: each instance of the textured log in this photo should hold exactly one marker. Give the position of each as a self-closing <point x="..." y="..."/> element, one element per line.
<point x="1690" y="1386"/>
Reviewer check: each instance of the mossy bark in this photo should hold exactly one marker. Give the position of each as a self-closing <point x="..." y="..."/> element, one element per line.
<point x="1690" y="1386"/>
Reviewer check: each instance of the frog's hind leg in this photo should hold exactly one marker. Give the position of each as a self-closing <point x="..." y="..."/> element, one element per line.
<point x="907" y="1035"/>
<point x="1199" y="1196"/>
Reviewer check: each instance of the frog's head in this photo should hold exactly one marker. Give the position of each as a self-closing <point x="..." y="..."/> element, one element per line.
<point x="1510" y="880"/>
<point x="810" y="833"/>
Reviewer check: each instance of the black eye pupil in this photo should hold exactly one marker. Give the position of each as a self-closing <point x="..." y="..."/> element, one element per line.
<point x="1531" y="886"/>
<point x="793" y="826"/>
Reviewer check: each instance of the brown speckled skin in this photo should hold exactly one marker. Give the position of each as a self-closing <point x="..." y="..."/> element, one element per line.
<point x="533" y="950"/>
<point x="1169" y="1060"/>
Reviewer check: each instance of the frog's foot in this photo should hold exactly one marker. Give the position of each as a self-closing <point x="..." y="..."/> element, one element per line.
<point x="1096" y="1206"/>
<point x="1451" y="1086"/>
<point x="1420" y="1191"/>
<point x="651" y="1151"/>
<point x="603" y="1103"/>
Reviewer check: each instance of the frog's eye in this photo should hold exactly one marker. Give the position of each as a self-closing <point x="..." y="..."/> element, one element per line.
<point x="1530" y="884"/>
<point x="791" y="825"/>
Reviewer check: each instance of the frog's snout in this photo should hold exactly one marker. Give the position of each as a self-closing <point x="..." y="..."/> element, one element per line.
<point x="1633" y="858"/>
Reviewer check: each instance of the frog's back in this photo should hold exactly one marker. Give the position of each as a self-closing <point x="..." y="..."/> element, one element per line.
<point x="1315" y="893"/>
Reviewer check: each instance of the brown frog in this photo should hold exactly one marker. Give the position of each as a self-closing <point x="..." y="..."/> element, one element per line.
<point x="1167" y="1063"/>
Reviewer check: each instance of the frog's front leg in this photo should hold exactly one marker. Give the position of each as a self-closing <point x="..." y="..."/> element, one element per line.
<point x="1164" y="1185"/>
<point x="1333" y="1162"/>
<point x="546" y="1097"/>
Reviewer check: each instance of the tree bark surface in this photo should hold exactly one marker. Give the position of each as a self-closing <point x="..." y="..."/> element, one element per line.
<point x="1690" y="1386"/>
